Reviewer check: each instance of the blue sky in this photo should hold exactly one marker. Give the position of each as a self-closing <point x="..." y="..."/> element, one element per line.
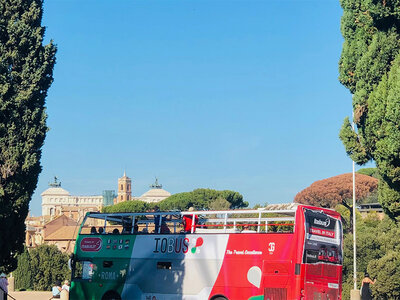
<point x="239" y="95"/>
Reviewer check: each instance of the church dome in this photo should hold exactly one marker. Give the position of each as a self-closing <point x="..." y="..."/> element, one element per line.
<point x="55" y="191"/>
<point x="159" y="193"/>
<point x="155" y="194"/>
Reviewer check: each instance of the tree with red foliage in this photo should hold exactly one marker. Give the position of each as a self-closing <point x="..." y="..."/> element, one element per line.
<point x="337" y="190"/>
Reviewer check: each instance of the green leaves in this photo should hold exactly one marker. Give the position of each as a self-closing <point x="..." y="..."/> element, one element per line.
<point x="378" y="248"/>
<point x="199" y="199"/>
<point x="39" y="268"/>
<point x="26" y="73"/>
<point x="369" y="68"/>
<point x="386" y="272"/>
<point x="204" y="199"/>
<point x="127" y="206"/>
<point x="351" y="141"/>
<point x="48" y="264"/>
<point x="23" y="275"/>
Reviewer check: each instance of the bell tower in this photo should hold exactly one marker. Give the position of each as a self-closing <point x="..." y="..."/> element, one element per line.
<point x="124" y="189"/>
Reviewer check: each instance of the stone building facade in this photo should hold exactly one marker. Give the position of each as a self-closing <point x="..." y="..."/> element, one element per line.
<point x="56" y="201"/>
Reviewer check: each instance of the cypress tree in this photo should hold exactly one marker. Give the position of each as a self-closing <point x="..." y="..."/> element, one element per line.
<point x="23" y="274"/>
<point x="26" y="73"/>
<point x="368" y="68"/>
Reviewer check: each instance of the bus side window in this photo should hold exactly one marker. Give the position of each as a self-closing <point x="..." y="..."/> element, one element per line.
<point x="84" y="269"/>
<point x="107" y="264"/>
<point x="88" y="270"/>
<point x="164" y="265"/>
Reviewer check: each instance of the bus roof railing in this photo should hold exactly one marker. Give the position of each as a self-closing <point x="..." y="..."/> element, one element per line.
<point x="215" y="216"/>
<point x="262" y="217"/>
<point x="284" y="209"/>
<point x="272" y="219"/>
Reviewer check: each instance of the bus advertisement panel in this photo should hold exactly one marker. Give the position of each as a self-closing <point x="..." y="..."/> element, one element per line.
<point x="323" y="238"/>
<point x="322" y="255"/>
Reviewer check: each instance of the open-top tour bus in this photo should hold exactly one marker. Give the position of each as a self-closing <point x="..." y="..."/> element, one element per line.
<point x="286" y="251"/>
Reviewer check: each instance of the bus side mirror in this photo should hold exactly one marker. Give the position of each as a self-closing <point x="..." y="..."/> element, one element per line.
<point x="70" y="261"/>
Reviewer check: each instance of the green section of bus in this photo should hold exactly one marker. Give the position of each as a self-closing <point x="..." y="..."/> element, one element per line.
<point x="104" y="271"/>
<point x="93" y="290"/>
<point x="261" y="297"/>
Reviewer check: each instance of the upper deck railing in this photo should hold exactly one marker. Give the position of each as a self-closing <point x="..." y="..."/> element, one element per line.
<point x="222" y="221"/>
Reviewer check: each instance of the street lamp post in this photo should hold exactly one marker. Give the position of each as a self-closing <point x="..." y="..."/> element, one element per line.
<point x="355" y="295"/>
<point x="354" y="229"/>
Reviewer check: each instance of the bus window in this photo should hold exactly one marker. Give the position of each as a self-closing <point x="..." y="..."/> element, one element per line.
<point x="165" y="265"/>
<point x="333" y="255"/>
<point x="107" y="264"/>
<point x="84" y="269"/>
<point x="323" y="254"/>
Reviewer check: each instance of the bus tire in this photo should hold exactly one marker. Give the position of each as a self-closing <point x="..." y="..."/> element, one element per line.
<point x="111" y="295"/>
<point x="219" y="298"/>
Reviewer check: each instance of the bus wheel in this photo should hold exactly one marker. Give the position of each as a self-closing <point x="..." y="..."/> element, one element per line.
<point x="219" y="298"/>
<point x="111" y="295"/>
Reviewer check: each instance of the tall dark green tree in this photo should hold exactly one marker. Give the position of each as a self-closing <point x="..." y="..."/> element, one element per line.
<point x="23" y="273"/>
<point x="26" y="73"/>
<point x="369" y="68"/>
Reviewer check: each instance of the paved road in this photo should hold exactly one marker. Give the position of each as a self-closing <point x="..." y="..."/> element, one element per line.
<point x="31" y="295"/>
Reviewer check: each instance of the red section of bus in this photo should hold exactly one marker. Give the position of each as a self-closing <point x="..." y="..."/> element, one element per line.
<point x="278" y="273"/>
<point x="255" y="261"/>
<point x="322" y="281"/>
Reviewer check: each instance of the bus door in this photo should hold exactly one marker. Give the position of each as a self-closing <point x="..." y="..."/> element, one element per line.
<point x="276" y="279"/>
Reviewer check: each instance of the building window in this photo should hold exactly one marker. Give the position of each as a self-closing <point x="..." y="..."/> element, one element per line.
<point x="122" y="187"/>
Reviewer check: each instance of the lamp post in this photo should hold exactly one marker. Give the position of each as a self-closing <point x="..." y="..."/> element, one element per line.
<point x="354" y="229"/>
<point x="355" y="295"/>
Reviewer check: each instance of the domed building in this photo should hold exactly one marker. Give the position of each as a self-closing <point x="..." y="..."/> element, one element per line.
<point x="57" y="201"/>
<point x="155" y="194"/>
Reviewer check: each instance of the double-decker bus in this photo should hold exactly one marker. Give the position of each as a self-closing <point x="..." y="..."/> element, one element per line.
<point x="275" y="253"/>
